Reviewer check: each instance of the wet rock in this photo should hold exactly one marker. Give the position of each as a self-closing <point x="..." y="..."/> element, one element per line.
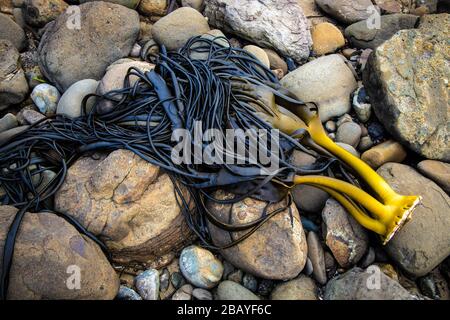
<point x="45" y="97"/>
<point x="266" y="23"/>
<point x="147" y="284"/>
<point x="349" y="133"/>
<point x="362" y="36"/>
<point x="114" y="80"/>
<point x="56" y="252"/>
<point x="328" y="81"/>
<point x="315" y="253"/>
<point x="369" y="284"/>
<point x="424" y="242"/>
<point x="346" y="11"/>
<point x="301" y="288"/>
<point x="230" y="290"/>
<point x="200" y="267"/>
<point x="13" y="32"/>
<point x="126" y="293"/>
<point x="175" y="29"/>
<point x="202" y="294"/>
<point x="184" y="293"/>
<point x="388" y="151"/>
<point x="38" y="13"/>
<point x="327" y="38"/>
<point x="346" y="238"/>
<point x="437" y="171"/>
<point x="70" y="103"/>
<point x="8" y="121"/>
<point x="277" y="250"/>
<point x="398" y="79"/>
<point x="13" y="85"/>
<point x="127" y="203"/>
<point x="67" y="55"/>
<point x="259" y="53"/>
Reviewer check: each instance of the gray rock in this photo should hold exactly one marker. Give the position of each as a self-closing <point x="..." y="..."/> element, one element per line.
<point x="330" y="126"/>
<point x="346" y="238"/>
<point x="8" y="121"/>
<point x="177" y="280"/>
<point x="437" y="171"/>
<point x="126" y="293"/>
<point x="175" y="29"/>
<point x="315" y="254"/>
<point x="301" y="288"/>
<point x="184" y="293"/>
<point x="13" y="84"/>
<point x="31" y="116"/>
<point x="365" y="143"/>
<point x="147" y="284"/>
<point x="265" y="287"/>
<point x="398" y="78"/>
<point x="349" y="148"/>
<point x="195" y="4"/>
<point x="70" y="103"/>
<point x="13" y="32"/>
<point x="349" y="133"/>
<point x="424" y="242"/>
<point x="327" y="81"/>
<point x="250" y="282"/>
<point x="200" y="267"/>
<point x="132" y="4"/>
<point x="38" y="13"/>
<point x="164" y="280"/>
<point x="309" y="269"/>
<point x="277" y="24"/>
<point x="368" y="259"/>
<point x="8" y="134"/>
<point x="45" y="97"/>
<point x="346" y="11"/>
<point x="202" y="294"/>
<point x="331" y="265"/>
<point x="363" y="37"/>
<point x="369" y="284"/>
<point x="67" y="55"/>
<point x="230" y="290"/>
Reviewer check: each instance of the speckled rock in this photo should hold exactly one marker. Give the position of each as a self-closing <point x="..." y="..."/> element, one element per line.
<point x="328" y="81"/>
<point x="200" y="267"/>
<point x="369" y="284"/>
<point x="38" y="13"/>
<point x="277" y="250"/>
<point x="45" y="97"/>
<point x="56" y="252"/>
<point x="67" y="55"/>
<point x="277" y="24"/>
<point x="147" y="284"/>
<point x="346" y="238"/>
<point x="424" y="242"/>
<point x="301" y="288"/>
<point x="407" y="80"/>
<point x="128" y="203"/>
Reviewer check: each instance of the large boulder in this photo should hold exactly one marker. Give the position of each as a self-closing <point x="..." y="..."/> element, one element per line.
<point x="13" y="84"/>
<point x="128" y="203"/>
<point x="279" y="24"/>
<point x="76" y="47"/>
<point x="327" y="81"/>
<point x="424" y="242"/>
<point x="407" y="80"/>
<point x="13" y="32"/>
<point x="49" y="255"/>
<point x="369" y="284"/>
<point x="277" y="250"/>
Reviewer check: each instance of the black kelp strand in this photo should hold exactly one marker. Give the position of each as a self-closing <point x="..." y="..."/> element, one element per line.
<point x="205" y="85"/>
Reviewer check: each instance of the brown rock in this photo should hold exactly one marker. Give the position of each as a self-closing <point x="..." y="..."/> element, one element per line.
<point x="276" y="62"/>
<point x="346" y="238"/>
<point x="48" y="252"/>
<point x="153" y="7"/>
<point x="316" y="255"/>
<point x="128" y="203"/>
<point x="259" y="53"/>
<point x="277" y="250"/>
<point x="301" y="288"/>
<point x="327" y="38"/>
<point x="388" y="151"/>
<point x="437" y="171"/>
<point x="38" y="13"/>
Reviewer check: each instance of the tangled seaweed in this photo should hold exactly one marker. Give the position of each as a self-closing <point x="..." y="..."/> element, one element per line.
<point x="208" y="83"/>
